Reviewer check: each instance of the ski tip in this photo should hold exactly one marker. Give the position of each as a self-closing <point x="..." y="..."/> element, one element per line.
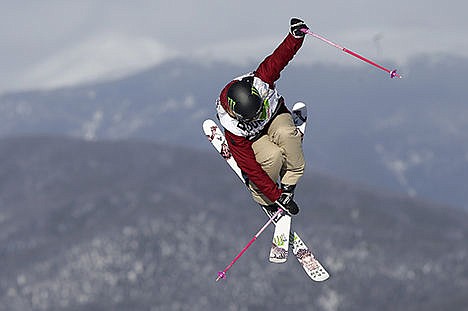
<point x="298" y="106"/>
<point x="208" y="122"/>
<point x="299" y="114"/>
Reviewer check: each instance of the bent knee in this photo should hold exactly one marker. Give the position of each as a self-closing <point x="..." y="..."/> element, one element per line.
<point x="286" y="132"/>
<point x="275" y="157"/>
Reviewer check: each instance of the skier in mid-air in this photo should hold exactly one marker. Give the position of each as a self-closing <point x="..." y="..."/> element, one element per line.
<point x="260" y="131"/>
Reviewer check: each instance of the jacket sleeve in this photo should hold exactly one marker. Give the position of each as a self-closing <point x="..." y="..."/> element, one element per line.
<point x="269" y="70"/>
<point x="241" y="149"/>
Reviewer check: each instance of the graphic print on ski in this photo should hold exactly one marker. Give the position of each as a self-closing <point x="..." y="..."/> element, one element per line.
<point x="312" y="266"/>
<point x="280" y="244"/>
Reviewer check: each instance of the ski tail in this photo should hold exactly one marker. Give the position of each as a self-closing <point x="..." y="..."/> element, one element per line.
<point x="310" y="264"/>
<point x="280" y="244"/>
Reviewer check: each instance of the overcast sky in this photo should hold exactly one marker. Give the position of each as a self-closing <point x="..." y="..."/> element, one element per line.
<point x="54" y="43"/>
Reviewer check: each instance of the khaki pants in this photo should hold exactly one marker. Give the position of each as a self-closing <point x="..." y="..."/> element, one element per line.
<point x="280" y="154"/>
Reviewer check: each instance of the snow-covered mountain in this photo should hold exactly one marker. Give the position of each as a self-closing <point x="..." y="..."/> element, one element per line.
<point x="141" y="226"/>
<point x="407" y="135"/>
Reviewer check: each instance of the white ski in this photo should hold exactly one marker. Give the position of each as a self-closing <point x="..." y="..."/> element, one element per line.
<point x="280" y="244"/>
<point x="312" y="266"/>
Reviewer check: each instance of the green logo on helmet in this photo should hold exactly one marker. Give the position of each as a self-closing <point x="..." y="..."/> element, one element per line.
<point x="255" y="91"/>
<point x="231" y="103"/>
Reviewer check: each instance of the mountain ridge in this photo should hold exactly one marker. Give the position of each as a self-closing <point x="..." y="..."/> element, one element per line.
<point x="406" y="135"/>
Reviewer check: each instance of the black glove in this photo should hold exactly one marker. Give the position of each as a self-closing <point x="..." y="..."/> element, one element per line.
<point x="286" y="203"/>
<point x="296" y="26"/>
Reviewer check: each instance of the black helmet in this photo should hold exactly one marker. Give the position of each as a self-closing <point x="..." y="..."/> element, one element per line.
<point x="244" y="100"/>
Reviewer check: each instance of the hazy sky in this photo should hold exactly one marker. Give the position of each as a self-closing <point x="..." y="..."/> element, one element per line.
<point x="53" y="43"/>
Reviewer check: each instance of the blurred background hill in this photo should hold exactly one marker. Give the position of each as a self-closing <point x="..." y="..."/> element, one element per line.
<point x="408" y="135"/>
<point x="113" y="225"/>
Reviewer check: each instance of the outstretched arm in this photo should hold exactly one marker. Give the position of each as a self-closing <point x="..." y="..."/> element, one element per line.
<point x="269" y="70"/>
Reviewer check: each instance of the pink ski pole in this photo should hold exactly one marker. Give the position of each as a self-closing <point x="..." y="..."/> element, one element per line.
<point x="392" y="73"/>
<point x="222" y="274"/>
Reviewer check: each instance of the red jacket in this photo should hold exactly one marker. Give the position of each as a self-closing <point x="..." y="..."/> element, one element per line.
<point x="241" y="148"/>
